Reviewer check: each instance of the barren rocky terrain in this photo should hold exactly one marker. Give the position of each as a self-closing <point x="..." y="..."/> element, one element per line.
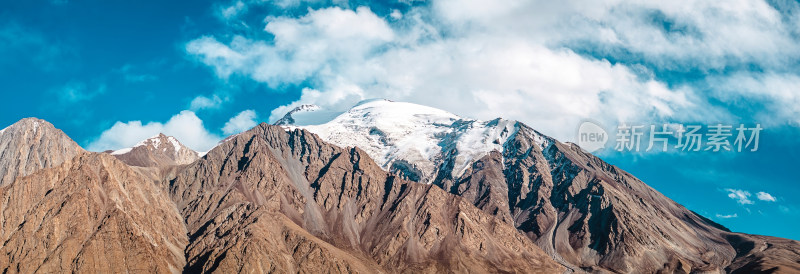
<point x="286" y="201"/>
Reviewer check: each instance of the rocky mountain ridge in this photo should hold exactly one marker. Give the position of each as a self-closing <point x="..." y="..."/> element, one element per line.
<point x="159" y="150"/>
<point x="283" y="199"/>
<point x="32" y="144"/>
<point x="587" y="214"/>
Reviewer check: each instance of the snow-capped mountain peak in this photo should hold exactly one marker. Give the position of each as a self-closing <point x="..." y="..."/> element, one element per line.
<point x="154" y="143"/>
<point x="411" y="139"/>
<point x="156" y="150"/>
<point x="305" y="115"/>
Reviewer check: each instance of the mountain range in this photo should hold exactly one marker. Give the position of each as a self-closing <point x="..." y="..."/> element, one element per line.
<point x="384" y="187"/>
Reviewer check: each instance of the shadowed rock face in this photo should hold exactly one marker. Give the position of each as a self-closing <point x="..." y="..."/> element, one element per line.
<point x="32" y="144"/>
<point x="91" y="214"/>
<point x="159" y="151"/>
<point x="271" y="200"/>
<point x="585" y="213"/>
<point x="287" y="201"/>
<point x="592" y="216"/>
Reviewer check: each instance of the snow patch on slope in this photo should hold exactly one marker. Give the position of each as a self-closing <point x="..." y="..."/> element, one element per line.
<point x="307" y="115"/>
<point x="122" y="151"/>
<point x="154" y="141"/>
<point x="175" y="144"/>
<point x="413" y="137"/>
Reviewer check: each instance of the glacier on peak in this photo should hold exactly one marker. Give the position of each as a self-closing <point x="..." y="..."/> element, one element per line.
<point x="307" y="114"/>
<point x="155" y="141"/>
<point x="412" y="139"/>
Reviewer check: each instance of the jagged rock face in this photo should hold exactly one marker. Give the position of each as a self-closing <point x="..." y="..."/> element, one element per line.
<point x="32" y="144"/>
<point x="592" y="216"/>
<point x="92" y="214"/>
<point x="763" y="254"/>
<point x="289" y="119"/>
<point x="414" y="141"/>
<point x="158" y="151"/>
<point x="271" y="200"/>
<point x="588" y="215"/>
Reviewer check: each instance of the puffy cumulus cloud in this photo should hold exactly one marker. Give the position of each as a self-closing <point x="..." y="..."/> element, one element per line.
<point x="765" y="197"/>
<point x="302" y="47"/>
<point x="683" y="34"/>
<point x="229" y="12"/>
<point x="336" y="99"/>
<point x="524" y="60"/>
<point x="778" y="92"/>
<point x="203" y="102"/>
<point x="741" y="196"/>
<point x="185" y="126"/>
<point x="243" y="121"/>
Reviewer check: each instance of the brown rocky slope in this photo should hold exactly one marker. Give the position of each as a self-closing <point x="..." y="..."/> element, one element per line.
<point x="32" y="144"/>
<point x="91" y="214"/>
<point x="266" y="200"/>
<point x="585" y="213"/>
<point x="592" y="216"/>
<point x="158" y="151"/>
<point x="272" y="200"/>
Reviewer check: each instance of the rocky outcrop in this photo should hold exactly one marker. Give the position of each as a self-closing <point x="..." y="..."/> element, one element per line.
<point x="272" y="200"/>
<point x="586" y="214"/>
<point x="288" y="119"/>
<point x="32" y="144"/>
<point x="763" y="254"/>
<point x="158" y="151"/>
<point x="265" y="185"/>
<point x="91" y="214"/>
<point x="592" y="216"/>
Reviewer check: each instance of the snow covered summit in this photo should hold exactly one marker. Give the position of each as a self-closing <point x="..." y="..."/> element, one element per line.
<point x="158" y="150"/>
<point x="414" y="140"/>
<point x="307" y="115"/>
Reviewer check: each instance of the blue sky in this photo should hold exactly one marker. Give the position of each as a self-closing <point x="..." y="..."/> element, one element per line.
<point x="110" y="73"/>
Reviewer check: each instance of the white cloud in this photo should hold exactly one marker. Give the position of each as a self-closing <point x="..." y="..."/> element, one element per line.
<point x="741" y="196"/>
<point x="74" y="92"/>
<point x="396" y="15"/>
<point x="233" y="10"/>
<point x="303" y="47"/>
<point x="221" y="57"/>
<point x="516" y="59"/>
<point x="241" y="122"/>
<point x="777" y="91"/>
<point x="728" y="216"/>
<point x="672" y="34"/>
<point x="355" y="55"/>
<point x="765" y="197"/>
<point x="203" y="102"/>
<point x="130" y="76"/>
<point x="185" y="126"/>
